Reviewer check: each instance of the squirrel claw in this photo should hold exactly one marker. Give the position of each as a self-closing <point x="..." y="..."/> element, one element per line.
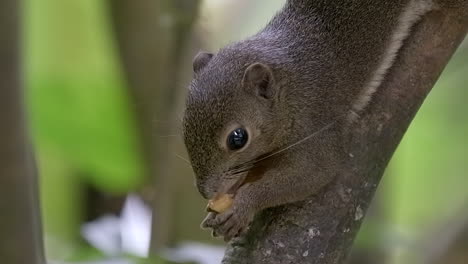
<point x="214" y="234"/>
<point x="208" y="221"/>
<point x="229" y="224"/>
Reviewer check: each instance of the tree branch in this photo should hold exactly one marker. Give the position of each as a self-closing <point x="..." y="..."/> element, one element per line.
<point x="151" y="37"/>
<point x="322" y="228"/>
<point x="20" y="226"/>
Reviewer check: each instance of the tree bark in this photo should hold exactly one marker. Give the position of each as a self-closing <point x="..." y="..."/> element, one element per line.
<point x="151" y="37"/>
<point x="322" y="228"/>
<point x="20" y="227"/>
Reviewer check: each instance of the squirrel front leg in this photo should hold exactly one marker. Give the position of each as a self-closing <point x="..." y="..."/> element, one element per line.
<point x="276" y="187"/>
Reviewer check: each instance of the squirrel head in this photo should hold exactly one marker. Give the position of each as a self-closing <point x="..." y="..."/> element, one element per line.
<point x="231" y="115"/>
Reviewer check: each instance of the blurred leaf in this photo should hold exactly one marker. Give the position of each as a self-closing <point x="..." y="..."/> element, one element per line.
<point x="76" y="100"/>
<point x="89" y="124"/>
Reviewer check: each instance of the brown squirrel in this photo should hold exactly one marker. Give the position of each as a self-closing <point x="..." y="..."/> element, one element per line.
<point x="264" y="115"/>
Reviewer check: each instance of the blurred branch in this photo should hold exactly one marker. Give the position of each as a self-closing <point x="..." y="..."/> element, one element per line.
<point x="151" y="36"/>
<point x="322" y="228"/>
<point x="447" y="241"/>
<point x="20" y="227"/>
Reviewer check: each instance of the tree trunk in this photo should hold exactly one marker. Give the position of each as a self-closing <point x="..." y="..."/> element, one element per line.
<point x="322" y="228"/>
<point x="151" y="36"/>
<point x="20" y="227"/>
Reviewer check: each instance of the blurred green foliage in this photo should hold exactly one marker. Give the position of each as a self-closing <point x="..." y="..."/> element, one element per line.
<point x="79" y="113"/>
<point x="76" y="96"/>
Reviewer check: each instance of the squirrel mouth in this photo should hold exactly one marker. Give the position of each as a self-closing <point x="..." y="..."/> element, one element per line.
<point x="231" y="186"/>
<point x="223" y="199"/>
<point x="252" y="175"/>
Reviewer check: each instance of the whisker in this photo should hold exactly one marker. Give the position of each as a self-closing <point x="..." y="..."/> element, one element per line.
<point x="246" y="166"/>
<point x="241" y="167"/>
<point x="167" y="136"/>
<point x="234" y="172"/>
<point x="238" y="171"/>
<point x="296" y="143"/>
<point x="184" y="159"/>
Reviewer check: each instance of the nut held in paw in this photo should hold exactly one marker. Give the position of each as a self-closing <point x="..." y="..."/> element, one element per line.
<point x="221" y="203"/>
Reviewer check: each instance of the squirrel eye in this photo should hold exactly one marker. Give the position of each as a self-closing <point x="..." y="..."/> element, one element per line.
<point x="237" y="139"/>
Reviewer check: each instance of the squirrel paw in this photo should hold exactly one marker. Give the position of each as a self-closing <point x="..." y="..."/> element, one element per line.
<point x="228" y="224"/>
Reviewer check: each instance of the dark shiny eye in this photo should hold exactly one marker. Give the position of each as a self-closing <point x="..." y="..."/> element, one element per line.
<point x="237" y="139"/>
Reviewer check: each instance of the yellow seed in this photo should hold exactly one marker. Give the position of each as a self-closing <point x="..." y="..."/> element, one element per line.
<point x="221" y="203"/>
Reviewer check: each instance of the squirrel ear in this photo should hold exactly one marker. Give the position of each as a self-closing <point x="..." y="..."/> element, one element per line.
<point x="201" y="60"/>
<point x="260" y="77"/>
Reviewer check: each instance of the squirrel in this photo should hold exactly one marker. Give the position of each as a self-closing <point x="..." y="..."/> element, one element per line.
<point x="264" y="116"/>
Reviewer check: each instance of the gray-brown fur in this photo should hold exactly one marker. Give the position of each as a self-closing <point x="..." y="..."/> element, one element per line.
<point x="307" y="49"/>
